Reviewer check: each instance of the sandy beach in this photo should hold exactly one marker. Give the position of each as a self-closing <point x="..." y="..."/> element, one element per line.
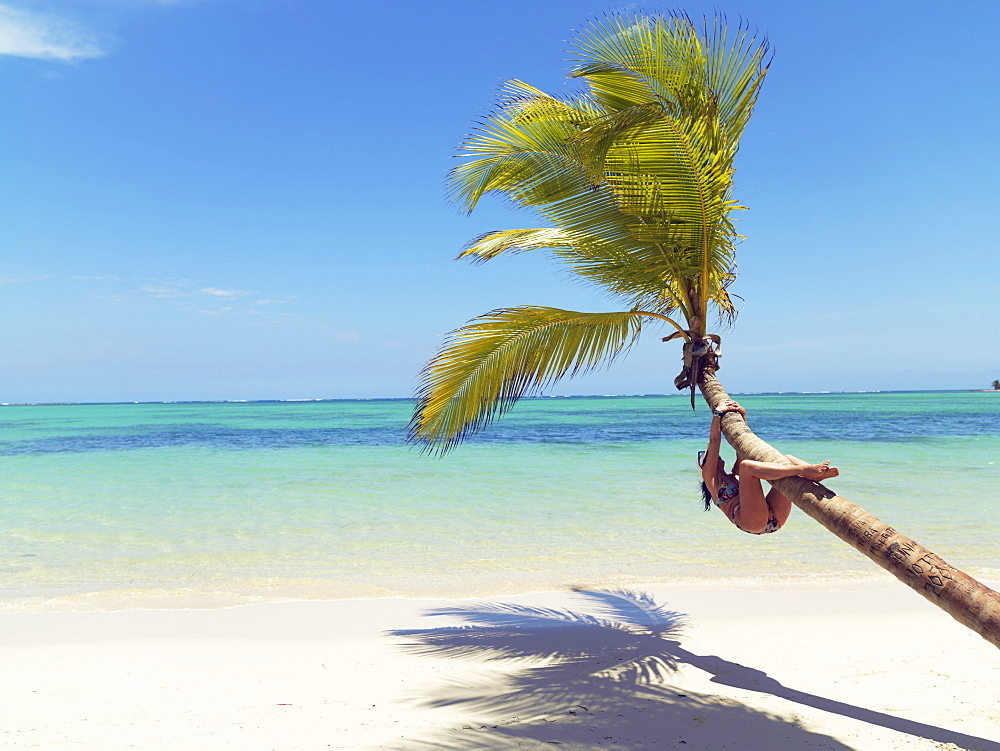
<point x="873" y="667"/>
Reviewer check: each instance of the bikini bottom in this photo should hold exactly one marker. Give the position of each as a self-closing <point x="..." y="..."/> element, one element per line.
<point x="771" y="526"/>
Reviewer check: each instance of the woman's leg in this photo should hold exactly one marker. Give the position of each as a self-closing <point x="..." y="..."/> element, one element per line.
<point x="797" y="468"/>
<point x="781" y="506"/>
<point x="755" y="508"/>
<point x="752" y="511"/>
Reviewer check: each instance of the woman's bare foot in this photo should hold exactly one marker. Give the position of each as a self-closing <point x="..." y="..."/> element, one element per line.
<point x="819" y="471"/>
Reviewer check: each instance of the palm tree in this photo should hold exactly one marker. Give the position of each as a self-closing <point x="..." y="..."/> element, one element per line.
<point x="996" y="385"/>
<point x="635" y="177"/>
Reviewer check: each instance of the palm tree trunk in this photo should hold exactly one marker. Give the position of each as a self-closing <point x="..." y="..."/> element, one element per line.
<point x="968" y="601"/>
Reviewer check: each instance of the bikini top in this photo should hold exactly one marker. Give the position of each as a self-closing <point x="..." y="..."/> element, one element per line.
<point x="727" y="491"/>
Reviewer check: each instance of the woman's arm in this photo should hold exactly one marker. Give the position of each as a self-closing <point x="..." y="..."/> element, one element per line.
<point x="710" y="467"/>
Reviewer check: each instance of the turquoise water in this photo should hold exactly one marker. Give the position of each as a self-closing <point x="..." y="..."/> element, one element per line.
<point x="127" y="504"/>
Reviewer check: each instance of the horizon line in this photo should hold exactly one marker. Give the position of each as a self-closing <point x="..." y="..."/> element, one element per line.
<point x="535" y="396"/>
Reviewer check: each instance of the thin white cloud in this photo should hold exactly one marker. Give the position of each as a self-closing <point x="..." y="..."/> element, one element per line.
<point x="166" y="290"/>
<point x="43" y="36"/>
<point x="210" y="300"/>
<point x="216" y="292"/>
<point x="193" y="297"/>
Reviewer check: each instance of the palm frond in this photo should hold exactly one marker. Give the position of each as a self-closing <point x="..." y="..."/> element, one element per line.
<point x="639" y="275"/>
<point x="492" y="244"/>
<point x="524" y="150"/>
<point x="488" y="364"/>
<point x="589" y="216"/>
<point x="734" y="71"/>
<point x="523" y="103"/>
<point x="630" y="58"/>
<point x="668" y="177"/>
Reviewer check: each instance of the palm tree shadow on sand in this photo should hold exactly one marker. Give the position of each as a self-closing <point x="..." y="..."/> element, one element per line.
<point x="559" y="677"/>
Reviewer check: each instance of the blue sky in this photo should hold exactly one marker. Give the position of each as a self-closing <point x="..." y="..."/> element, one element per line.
<point x="242" y="199"/>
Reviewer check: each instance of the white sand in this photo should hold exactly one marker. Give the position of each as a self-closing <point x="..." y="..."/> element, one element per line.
<point x="875" y="668"/>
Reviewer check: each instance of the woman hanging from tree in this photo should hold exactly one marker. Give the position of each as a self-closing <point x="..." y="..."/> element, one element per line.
<point x="739" y="493"/>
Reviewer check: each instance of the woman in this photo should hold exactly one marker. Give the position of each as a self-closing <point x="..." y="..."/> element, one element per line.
<point x="739" y="493"/>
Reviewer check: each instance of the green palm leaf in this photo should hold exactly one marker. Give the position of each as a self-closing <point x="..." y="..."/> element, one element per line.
<point x="631" y="59"/>
<point x="635" y="274"/>
<point x="488" y="364"/>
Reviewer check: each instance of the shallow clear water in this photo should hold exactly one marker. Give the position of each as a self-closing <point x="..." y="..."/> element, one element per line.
<point x="321" y="499"/>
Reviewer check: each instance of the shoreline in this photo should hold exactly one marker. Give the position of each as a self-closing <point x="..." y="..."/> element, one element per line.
<point x="782" y="668"/>
<point x="241" y="594"/>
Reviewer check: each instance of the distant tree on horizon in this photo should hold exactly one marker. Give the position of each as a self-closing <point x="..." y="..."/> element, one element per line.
<point x="996" y="385"/>
<point x="634" y="176"/>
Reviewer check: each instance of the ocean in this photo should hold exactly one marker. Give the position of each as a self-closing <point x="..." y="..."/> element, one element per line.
<point x="113" y="506"/>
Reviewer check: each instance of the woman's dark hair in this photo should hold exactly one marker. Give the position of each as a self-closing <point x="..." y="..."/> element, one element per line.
<point x="706" y="496"/>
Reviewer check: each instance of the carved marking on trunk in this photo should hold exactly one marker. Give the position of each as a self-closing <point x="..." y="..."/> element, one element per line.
<point x="899" y="552"/>
<point x="855" y="528"/>
<point x="883" y="538"/>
